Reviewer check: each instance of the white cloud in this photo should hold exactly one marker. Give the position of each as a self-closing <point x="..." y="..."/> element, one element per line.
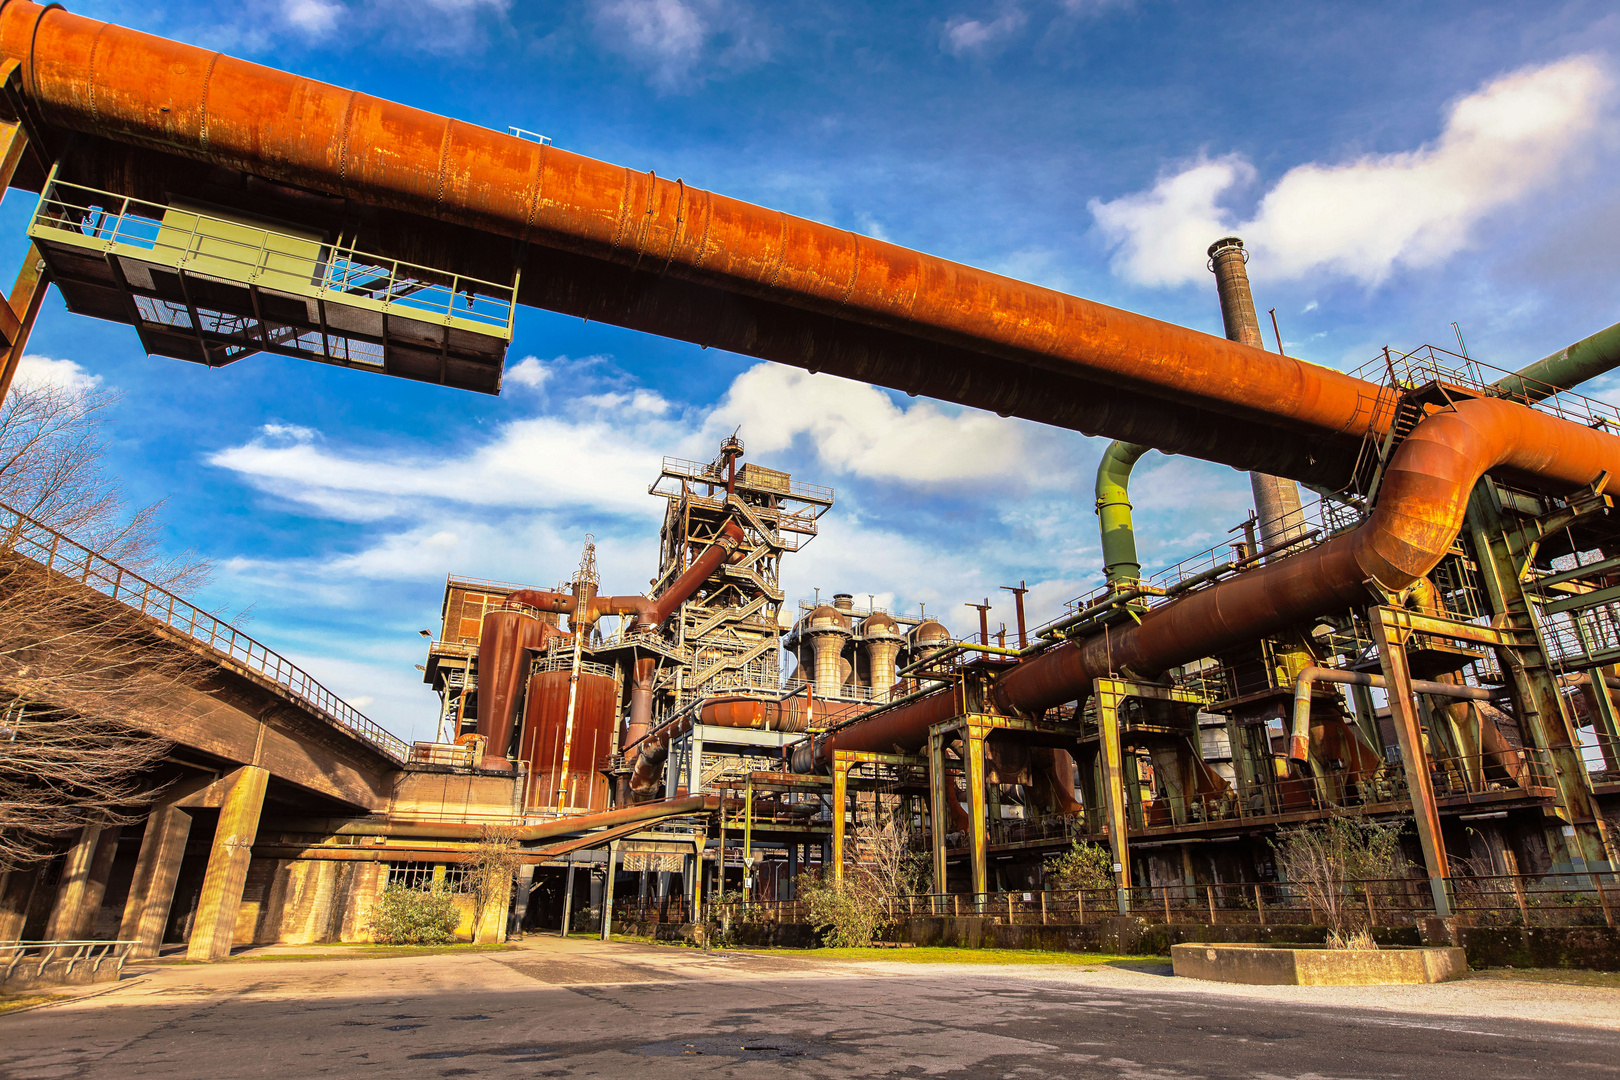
<point x="530" y="373"/>
<point x="1365" y="218"/>
<point x="313" y="17"/>
<point x="540" y="462"/>
<point x="963" y="36"/>
<point x="681" y="41"/>
<point x="36" y="370"/>
<point x="859" y="430"/>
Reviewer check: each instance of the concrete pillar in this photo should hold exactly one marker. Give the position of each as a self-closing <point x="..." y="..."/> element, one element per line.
<point x="17" y="889"/>
<point x="153" y="888"/>
<point x="95" y="886"/>
<point x="215" y="925"/>
<point x="520" y="902"/>
<point x="74" y="886"/>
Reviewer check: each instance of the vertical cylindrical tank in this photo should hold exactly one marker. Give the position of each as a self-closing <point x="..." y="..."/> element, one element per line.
<point x="1276" y="500"/>
<point x="881" y="639"/>
<point x="828" y="630"/>
<point x="546" y="729"/>
<point x="502" y="639"/>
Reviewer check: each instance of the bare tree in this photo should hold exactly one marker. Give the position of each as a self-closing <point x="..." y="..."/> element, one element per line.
<point x="494" y="863"/>
<point x="83" y="678"/>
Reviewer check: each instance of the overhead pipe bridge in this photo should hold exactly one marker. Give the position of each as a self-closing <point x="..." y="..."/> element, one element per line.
<point x="604" y="242"/>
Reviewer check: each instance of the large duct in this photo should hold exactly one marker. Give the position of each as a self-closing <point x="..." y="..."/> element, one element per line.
<point x="654" y="254"/>
<point x="1120" y="563"/>
<point x="1276" y="499"/>
<point x="503" y="641"/>
<point x="1420" y="509"/>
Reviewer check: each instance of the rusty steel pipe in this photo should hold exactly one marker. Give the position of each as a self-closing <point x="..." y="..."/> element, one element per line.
<point x="1299" y="738"/>
<point x="1420" y="509"/>
<point x="641" y="251"/>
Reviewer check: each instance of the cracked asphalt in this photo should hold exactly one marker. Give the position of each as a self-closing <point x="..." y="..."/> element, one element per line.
<point x="586" y="1008"/>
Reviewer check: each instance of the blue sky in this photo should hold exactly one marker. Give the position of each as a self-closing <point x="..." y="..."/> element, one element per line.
<point x="1395" y="167"/>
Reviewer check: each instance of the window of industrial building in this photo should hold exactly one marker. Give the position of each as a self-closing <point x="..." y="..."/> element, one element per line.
<point x="419" y="875"/>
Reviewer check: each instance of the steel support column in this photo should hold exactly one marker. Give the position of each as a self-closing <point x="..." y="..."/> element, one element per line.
<point x="840" y="797"/>
<point x="1544" y="719"/>
<point x="938" y="814"/>
<point x="1391" y="641"/>
<point x="1110" y="695"/>
<point x="973" y="737"/>
<point x="607" y="890"/>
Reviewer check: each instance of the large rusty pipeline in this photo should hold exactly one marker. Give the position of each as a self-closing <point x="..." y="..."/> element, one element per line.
<point x="657" y="255"/>
<point x="1420" y="509"/>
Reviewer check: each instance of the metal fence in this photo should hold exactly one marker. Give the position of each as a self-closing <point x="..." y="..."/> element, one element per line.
<point x="60" y="554"/>
<point x="1584" y="899"/>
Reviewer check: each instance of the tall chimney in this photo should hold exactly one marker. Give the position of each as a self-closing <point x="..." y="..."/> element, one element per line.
<point x="1276" y="500"/>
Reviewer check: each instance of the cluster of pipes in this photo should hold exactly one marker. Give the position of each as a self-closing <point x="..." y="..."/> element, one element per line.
<point x="655" y="254"/>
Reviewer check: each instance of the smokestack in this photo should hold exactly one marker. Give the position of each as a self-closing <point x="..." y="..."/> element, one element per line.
<point x="1276" y="500"/>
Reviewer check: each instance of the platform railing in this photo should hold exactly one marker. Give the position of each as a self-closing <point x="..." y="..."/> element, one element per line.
<point x="60" y="554"/>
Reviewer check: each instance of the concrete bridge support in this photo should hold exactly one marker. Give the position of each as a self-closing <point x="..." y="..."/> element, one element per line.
<point x="151" y="891"/>
<point x="215" y="924"/>
<point x="83" y="883"/>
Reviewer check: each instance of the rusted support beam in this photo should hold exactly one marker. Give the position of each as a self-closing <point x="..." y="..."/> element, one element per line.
<point x="1391" y="641"/>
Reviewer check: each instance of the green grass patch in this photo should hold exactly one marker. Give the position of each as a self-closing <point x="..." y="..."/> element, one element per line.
<point x="25" y="1001"/>
<point x="941" y="954"/>
<point x="1609" y="980"/>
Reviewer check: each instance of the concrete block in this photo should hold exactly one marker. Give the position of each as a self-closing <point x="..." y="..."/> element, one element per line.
<point x="1265" y="965"/>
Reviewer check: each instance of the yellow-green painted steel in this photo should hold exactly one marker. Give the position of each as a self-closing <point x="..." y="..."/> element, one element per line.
<point x="1114" y="513"/>
<point x="1568" y="367"/>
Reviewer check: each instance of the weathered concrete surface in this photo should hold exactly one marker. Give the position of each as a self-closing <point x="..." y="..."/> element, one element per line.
<point x="1269" y="965"/>
<point x="576" y="1008"/>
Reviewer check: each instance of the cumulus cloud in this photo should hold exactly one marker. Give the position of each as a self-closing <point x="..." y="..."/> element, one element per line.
<point x="965" y="36"/>
<point x="859" y="430"/>
<point x="530" y="373"/>
<point x="313" y="17"/>
<point x="36" y="370"/>
<point x="1368" y="217"/>
<point x="681" y="42"/>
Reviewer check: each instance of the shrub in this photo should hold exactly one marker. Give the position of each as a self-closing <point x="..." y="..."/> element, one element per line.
<point x="1325" y="862"/>
<point x="848" y="914"/>
<point x="1084" y="866"/>
<point x="403" y="916"/>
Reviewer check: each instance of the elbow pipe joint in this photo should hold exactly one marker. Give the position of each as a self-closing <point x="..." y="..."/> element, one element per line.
<point x="1299" y="739"/>
<point x="1120" y="562"/>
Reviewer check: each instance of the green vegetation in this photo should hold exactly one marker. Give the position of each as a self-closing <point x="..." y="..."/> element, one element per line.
<point x="404" y="916"/>
<point x="1084" y="866"/>
<point x="943" y="954"/>
<point x="1325" y="862"/>
<point x="1568" y="976"/>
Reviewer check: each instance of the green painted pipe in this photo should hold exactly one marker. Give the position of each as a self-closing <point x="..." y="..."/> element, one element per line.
<point x="1586" y="359"/>
<point x="1114" y="513"/>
